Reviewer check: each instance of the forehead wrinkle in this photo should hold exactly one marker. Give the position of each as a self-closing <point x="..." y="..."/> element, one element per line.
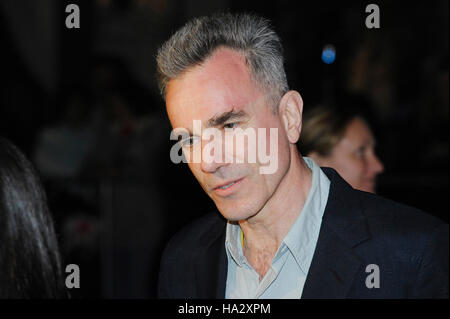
<point x="221" y="118"/>
<point x="202" y="92"/>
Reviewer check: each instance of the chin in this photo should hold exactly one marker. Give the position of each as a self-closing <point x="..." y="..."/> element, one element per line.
<point x="233" y="215"/>
<point x="236" y="211"/>
<point x="368" y="188"/>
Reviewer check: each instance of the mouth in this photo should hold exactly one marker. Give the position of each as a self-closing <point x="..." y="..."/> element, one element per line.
<point x="228" y="187"/>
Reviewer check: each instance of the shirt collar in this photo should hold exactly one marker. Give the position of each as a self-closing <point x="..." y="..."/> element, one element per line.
<point x="301" y="238"/>
<point x="233" y="242"/>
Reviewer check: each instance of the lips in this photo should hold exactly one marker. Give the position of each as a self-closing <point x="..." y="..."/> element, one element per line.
<point x="227" y="187"/>
<point x="227" y="184"/>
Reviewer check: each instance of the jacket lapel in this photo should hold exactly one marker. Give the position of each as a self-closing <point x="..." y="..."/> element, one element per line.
<point x="211" y="270"/>
<point x="335" y="265"/>
<point x="332" y="270"/>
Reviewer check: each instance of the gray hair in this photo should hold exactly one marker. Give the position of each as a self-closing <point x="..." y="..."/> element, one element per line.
<point x="250" y="35"/>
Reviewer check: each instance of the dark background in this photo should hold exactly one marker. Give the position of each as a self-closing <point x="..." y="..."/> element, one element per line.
<point x="84" y="107"/>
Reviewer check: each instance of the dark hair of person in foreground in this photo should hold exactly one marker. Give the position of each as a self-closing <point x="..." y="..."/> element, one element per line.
<point x="30" y="265"/>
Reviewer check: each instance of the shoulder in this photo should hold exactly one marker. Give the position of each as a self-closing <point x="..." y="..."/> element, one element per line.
<point x="197" y="235"/>
<point x="383" y="213"/>
<point x="411" y="240"/>
<point x="183" y="253"/>
<point x="383" y="217"/>
<point x="404" y="233"/>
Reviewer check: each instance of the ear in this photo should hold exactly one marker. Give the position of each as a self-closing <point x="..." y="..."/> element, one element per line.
<point x="291" y="109"/>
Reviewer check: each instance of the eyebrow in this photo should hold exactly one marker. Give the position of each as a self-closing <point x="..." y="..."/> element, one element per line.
<point x="225" y="116"/>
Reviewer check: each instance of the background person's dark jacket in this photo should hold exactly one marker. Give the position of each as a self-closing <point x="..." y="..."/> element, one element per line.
<point x="358" y="229"/>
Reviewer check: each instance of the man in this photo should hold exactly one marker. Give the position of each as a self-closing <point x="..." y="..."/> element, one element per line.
<point x="298" y="231"/>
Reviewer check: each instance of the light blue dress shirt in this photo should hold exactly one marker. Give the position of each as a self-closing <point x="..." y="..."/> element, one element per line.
<point x="287" y="273"/>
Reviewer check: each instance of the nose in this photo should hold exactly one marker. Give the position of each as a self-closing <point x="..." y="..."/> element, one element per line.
<point x="212" y="156"/>
<point x="376" y="165"/>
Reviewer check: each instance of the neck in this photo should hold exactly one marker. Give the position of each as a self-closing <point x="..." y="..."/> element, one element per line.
<point x="265" y="231"/>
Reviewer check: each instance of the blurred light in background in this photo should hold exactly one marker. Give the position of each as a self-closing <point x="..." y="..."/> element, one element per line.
<point x="328" y="54"/>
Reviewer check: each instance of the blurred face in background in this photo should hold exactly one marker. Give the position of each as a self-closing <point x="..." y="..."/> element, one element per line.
<point x="354" y="157"/>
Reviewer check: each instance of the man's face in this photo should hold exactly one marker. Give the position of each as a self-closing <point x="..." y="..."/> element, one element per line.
<point x="221" y="94"/>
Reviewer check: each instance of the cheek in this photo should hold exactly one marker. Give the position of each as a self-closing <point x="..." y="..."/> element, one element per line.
<point x="268" y="183"/>
<point x="259" y="189"/>
<point x="349" y="167"/>
<point x="355" y="166"/>
<point x="358" y="174"/>
<point x="277" y="147"/>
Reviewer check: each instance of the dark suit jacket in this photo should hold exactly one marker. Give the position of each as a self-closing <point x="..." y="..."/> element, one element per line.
<point x="409" y="247"/>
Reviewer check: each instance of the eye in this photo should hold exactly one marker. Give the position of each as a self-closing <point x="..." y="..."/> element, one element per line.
<point x="230" y="125"/>
<point x="361" y="151"/>
<point x="189" y="141"/>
